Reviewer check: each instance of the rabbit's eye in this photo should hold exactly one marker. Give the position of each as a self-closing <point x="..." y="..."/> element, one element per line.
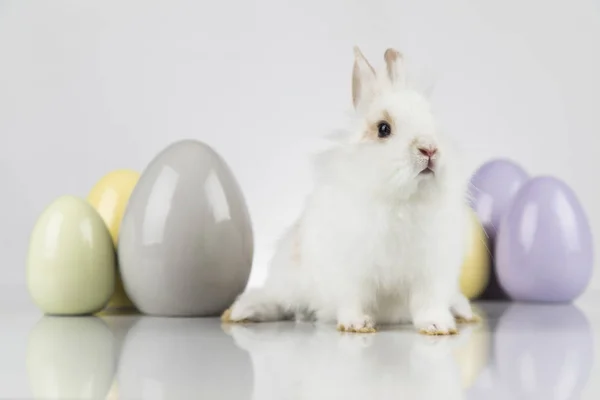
<point x="384" y="129"/>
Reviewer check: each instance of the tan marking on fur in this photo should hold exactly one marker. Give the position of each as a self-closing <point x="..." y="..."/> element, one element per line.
<point x="438" y="332"/>
<point x="356" y="84"/>
<point x="392" y="56"/>
<point x="226" y="318"/>
<point x="353" y="329"/>
<point x="372" y="132"/>
<point x="475" y="319"/>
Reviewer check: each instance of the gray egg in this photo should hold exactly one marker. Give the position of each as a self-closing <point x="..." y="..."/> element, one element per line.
<point x="186" y="241"/>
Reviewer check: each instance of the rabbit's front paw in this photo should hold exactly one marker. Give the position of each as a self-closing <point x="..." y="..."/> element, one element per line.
<point x="357" y="323"/>
<point x="435" y="322"/>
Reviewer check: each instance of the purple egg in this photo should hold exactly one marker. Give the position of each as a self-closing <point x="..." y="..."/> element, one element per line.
<point x="493" y="187"/>
<point x="544" y="248"/>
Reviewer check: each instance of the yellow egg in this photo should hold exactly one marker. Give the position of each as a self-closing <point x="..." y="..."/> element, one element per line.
<point x="472" y="355"/>
<point x="109" y="197"/>
<point x="475" y="273"/>
<point x="71" y="263"/>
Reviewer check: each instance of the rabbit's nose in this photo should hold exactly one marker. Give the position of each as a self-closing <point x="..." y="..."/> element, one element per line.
<point x="428" y="151"/>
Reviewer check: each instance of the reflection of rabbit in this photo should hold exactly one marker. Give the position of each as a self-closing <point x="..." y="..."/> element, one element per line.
<point x="382" y="237"/>
<point x="301" y="362"/>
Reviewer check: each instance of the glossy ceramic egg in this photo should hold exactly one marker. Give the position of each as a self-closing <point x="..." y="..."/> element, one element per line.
<point x="544" y="245"/>
<point x="71" y="259"/>
<point x="493" y="188"/>
<point x="186" y="242"/>
<point x="109" y="197"/>
<point x="70" y="358"/>
<point x="475" y="271"/>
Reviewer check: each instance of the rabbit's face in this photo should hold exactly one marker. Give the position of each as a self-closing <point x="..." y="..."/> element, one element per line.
<point x="397" y="140"/>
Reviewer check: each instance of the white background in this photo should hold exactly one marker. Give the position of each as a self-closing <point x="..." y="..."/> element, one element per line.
<point x="91" y="86"/>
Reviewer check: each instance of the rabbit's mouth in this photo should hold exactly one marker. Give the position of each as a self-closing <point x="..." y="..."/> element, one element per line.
<point x="427" y="171"/>
<point x="428" y="167"/>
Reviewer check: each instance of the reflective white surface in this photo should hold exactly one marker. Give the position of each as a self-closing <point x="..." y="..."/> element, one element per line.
<point x="519" y="351"/>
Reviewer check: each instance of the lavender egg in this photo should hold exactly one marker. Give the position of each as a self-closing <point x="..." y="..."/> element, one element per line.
<point x="544" y="249"/>
<point x="493" y="187"/>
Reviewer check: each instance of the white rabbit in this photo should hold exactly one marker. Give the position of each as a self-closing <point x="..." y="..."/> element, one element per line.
<point x="383" y="234"/>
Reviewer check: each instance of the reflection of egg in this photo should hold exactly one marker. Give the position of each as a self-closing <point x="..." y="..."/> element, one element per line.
<point x="544" y="245"/>
<point x="544" y="351"/>
<point x="119" y="321"/>
<point x="475" y="271"/>
<point x="186" y="244"/>
<point x="71" y="259"/>
<point x="109" y="197"/>
<point x="167" y="358"/>
<point x="70" y="358"/>
<point x="473" y="355"/>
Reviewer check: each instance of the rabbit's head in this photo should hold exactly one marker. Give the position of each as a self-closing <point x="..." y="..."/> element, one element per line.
<point x="395" y="147"/>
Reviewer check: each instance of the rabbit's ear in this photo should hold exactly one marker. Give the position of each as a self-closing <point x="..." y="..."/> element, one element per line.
<point x="394" y="63"/>
<point x="363" y="80"/>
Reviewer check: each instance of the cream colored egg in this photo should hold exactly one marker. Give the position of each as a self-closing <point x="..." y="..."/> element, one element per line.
<point x="476" y="269"/>
<point x="71" y="259"/>
<point x="109" y="197"/>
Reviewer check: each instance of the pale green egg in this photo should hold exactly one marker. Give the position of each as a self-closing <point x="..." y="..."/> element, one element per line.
<point x="71" y="265"/>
